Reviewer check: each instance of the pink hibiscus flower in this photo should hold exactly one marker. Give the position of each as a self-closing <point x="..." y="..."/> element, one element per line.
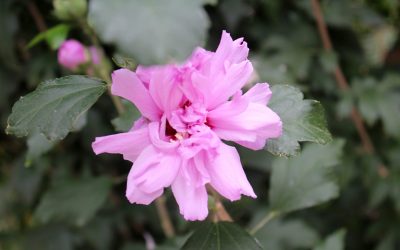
<point x="186" y="111"/>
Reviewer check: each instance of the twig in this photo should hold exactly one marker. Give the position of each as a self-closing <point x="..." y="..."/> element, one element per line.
<point x="166" y="223"/>
<point x="37" y="16"/>
<point x="116" y="101"/>
<point x="267" y="218"/>
<point x="103" y="73"/>
<point x="341" y="79"/>
<point x="344" y="86"/>
<point x="220" y="212"/>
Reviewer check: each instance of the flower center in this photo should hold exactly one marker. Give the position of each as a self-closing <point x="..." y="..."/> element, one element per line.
<point x="187" y="120"/>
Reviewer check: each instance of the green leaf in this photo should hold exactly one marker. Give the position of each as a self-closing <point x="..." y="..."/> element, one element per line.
<point x="368" y="98"/>
<point x="339" y="13"/>
<point x="54" y="107"/>
<point x="74" y="201"/>
<point x="303" y="120"/>
<point x="70" y="10"/>
<point x="38" y="144"/>
<point x="99" y="232"/>
<point x="289" y="46"/>
<point x="54" y="36"/>
<point x="150" y="31"/>
<point x="174" y="243"/>
<point x="291" y="234"/>
<point x="135" y="246"/>
<point x="328" y="60"/>
<point x="380" y="100"/>
<point x="124" y="62"/>
<point x="124" y="122"/>
<point x="221" y="235"/>
<point x="378" y="42"/>
<point x="49" y="237"/>
<point x="389" y="106"/>
<point x="305" y="180"/>
<point x="26" y="182"/>
<point x="234" y="11"/>
<point x="272" y="70"/>
<point x="334" y="241"/>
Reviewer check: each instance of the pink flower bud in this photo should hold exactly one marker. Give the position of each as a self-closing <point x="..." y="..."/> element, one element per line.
<point x="71" y="54"/>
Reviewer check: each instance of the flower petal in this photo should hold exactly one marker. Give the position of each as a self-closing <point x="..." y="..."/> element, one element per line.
<point x="257" y="123"/>
<point x="199" y="59"/>
<point x="231" y="82"/>
<point x="255" y="117"/>
<point x="229" y="51"/>
<point x="164" y="89"/>
<point x="221" y="74"/>
<point x="257" y="144"/>
<point x="235" y="135"/>
<point x="159" y="140"/>
<point x="259" y="93"/>
<point x="154" y="170"/>
<point x="135" y="195"/>
<point x="126" y="84"/>
<point x="192" y="200"/>
<point x="145" y="73"/>
<point x="129" y="144"/>
<point x="227" y="175"/>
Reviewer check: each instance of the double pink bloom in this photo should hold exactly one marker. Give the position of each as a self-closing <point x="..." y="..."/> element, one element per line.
<point x="186" y="110"/>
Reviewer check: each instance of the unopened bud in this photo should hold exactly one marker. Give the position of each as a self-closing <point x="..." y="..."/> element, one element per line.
<point x="72" y="54"/>
<point x="70" y="9"/>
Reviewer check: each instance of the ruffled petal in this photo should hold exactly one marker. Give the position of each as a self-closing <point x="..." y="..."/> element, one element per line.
<point x="199" y="59"/>
<point x="229" y="51"/>
<point x="226" y="85"/>
<point x="135" y="195"/>
<point x="126" y="84"/>
<point x="259" y="93"/>
<point x="129" y="144"/>
<point x="227" y="175"/>
<point x="249" y="128"/>
<point x="255" y="117"/>
<point x="164" y="89"/>
<point x="257" y="144"/>
<point x="192" y="199"/>
<point x="146" y="72"/>
<point x="196" y="90"/>
<point x="232" y="108"/>
<point x="159" y="140"/>
<point x="221" y="74"/>
<point x="235" y="135"/>
<point x="154" y="170"/>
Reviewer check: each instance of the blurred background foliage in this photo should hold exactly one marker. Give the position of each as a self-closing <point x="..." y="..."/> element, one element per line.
<point x="58" y="195"/>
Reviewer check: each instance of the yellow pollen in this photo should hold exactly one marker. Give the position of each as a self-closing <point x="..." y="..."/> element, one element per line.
<point x="179" y="136"/>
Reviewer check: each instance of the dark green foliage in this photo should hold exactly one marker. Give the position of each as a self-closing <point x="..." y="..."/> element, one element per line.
<point x="73" y="201"/>
<point x="54" y="107"/>
<point x="56" y="194"/>
<point x="150" y="31"/>
<point x="303" y="120"/>
<point x="220" y="235"/>
<point x="306" y="180"/>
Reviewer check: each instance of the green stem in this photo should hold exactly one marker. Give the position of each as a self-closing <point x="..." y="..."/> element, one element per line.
<point x="267" y="218"/>
<point x="103" y="72"/>
<point x="166" y="222"/>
